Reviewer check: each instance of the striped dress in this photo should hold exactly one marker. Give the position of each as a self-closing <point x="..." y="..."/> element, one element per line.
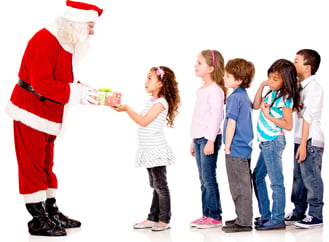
<point x="266" y="129"/>
<point x="153" y="148"/>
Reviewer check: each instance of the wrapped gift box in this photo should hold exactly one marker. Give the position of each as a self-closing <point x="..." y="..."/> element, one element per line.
<point x="106" y="97"/>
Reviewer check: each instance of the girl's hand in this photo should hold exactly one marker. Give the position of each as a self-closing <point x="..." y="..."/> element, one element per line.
<point x="209" y="148"/>
<point x="121" y="108"/>
<point x="266" y="109"/>
<point x="265" y="83"/>
<point x="192" y="149"/>
<point x="227" y="151"/>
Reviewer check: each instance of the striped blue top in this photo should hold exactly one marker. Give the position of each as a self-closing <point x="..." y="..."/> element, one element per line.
<point x="266" y="129"/>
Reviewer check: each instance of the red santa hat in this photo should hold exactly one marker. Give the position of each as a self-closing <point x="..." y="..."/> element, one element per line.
<point x="82" y="11"/>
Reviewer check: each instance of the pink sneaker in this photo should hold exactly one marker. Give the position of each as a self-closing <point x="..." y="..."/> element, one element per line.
<point x="209" y="223"/>
<point x="198" y="221"/>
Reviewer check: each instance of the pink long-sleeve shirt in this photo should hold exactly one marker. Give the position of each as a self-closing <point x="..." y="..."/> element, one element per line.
<point x="208" y="113"/>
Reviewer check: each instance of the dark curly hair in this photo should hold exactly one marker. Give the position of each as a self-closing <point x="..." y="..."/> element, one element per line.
<point x="170" y="92"/>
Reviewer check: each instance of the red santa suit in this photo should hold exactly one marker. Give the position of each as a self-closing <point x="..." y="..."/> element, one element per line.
<point x="47" y="67"/>
<point x="38" y="105"/>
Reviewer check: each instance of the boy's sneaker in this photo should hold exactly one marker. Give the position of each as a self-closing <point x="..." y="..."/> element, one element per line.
<point x="291" y="219"/>
<point x="209" y="223"/>
<point x="270" y="225"/>
<point x="230" y="222"/>
<point x="233" y="228"/>
<point x="309" y="223"/>
<point x="196" y="222"/>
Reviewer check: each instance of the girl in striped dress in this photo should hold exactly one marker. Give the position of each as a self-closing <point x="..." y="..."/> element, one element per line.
<point x="275" y="117"/>
<point x="154" y="153"/>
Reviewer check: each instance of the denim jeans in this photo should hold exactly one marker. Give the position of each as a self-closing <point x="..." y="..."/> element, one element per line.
<point x="160" y="208"/>
<point x="270" y="163"/>
<point x="307" y="188"/>
<point x="207" y="165"/>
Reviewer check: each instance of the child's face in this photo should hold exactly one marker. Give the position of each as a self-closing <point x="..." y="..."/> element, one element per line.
<point x="152" y="84"/>
<point x="201" y="67"/>
<point x="275" y="81"/>
<point x="300" y="67"/>
<point x="230" y="81"/>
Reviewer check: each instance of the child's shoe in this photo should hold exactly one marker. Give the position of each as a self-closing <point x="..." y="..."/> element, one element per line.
<point x="309" y="223"/>
<point x="146" y="224"/>
<point x="270" y="225"/>
<point x="291" y="219"/>
<point x="161" y="226"/>
<point x="209" y="223"/>
<point x="196" y="222"/>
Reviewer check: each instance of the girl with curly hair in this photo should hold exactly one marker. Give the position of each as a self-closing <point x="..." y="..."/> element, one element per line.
<point x="154" y="153"/>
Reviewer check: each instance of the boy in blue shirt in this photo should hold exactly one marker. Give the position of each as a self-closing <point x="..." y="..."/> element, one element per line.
<point x="238" y="136"/>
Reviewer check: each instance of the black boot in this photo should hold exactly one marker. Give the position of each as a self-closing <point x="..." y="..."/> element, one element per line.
<point x="41" y="224"/>
<point x="57" y="217"/>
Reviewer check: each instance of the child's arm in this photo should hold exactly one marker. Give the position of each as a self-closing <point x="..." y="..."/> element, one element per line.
<point x="230" y="130"/>
<point x="301" y="151"/>
<point x="145" y="120"/>
<point x="285" y="123"/>
<point x="259" y="96"/>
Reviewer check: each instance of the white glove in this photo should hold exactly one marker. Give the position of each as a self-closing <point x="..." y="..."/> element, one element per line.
<point x="88" y="95"/>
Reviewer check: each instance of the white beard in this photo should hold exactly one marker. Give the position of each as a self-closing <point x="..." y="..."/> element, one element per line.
<point x="81" y="49"/>
<point x="74" y="36"/>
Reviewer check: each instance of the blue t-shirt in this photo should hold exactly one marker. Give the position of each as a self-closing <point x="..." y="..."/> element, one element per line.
<point x="266" y="129"/>
<point x="239" y="108"/>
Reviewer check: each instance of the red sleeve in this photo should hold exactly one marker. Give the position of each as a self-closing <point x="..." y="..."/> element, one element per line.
<point x="47" y="67"/>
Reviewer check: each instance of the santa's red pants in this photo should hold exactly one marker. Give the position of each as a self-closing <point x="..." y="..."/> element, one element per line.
<point x="34" y="152"/>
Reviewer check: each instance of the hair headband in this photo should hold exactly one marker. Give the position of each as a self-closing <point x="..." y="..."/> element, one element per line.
<point x="213" y="58"/>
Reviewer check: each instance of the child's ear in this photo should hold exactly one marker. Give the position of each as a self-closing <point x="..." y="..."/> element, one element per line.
<point x="308" y="68"/>
<point x="211" y="69"/>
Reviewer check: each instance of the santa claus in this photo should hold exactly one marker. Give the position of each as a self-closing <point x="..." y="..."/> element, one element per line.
<point x="45" y="88"/>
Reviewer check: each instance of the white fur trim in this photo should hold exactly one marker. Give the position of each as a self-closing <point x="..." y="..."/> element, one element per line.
<point x="32" y="120"/>
<point x="51" y="192"/>
<point x="53" y="30"/>
<point x="80" y="15"/>
<point x="75" y="94"/>
<point x="36" y="197"/>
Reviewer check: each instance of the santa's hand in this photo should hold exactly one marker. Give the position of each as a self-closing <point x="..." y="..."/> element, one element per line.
<point x="88" y="95"/>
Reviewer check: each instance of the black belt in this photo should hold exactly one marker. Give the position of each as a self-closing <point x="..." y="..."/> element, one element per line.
<point x="29" y="88"/>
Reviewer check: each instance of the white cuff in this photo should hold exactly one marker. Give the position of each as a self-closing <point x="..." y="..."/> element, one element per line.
<point x="51" y="192"/>
<point x="36" y="197"/>
<point x="75" y="94"/>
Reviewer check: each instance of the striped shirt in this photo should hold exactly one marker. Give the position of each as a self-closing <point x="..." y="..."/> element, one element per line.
<point x="266" y="129"/>
<point x="153" y="148"/>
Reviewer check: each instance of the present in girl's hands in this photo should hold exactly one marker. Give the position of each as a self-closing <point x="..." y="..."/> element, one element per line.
<point x="106" y="97"/>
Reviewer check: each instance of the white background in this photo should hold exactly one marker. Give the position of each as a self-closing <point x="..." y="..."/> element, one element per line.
<point x="94" y="160"/>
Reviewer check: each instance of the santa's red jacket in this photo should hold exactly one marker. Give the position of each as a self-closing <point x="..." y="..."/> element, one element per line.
<point x="47" y="67"/>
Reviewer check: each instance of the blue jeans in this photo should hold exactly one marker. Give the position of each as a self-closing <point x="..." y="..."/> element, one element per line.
<point x="270" y="163"/>
<point x="207" y="165"/>
<point x="307" y="188"/>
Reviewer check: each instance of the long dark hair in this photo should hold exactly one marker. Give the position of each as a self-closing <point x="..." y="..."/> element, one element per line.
<point x="288" y="73"/>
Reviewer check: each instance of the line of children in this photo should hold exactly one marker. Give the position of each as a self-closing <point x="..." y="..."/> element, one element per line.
<point x="275" y="116"/>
